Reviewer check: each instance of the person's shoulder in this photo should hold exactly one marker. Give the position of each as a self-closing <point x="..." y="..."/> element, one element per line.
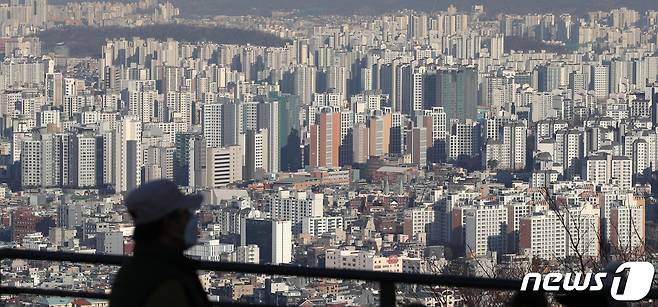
<point x="138" y="280"/>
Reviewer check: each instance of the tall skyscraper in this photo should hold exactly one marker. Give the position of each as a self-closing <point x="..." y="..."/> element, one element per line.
<point x="256" y="154"/>
<point x="304" y="83"/>
<point x="54" y="89"/>
<point x="600" y="81"/>
<point x="360" y="142"/>
<point x="83" y="169"/>
<point x="337" y="80"/>
<point x="250" y="115"/>
<point x="577" y="82"/>
<point x="417" y="146"/>
<point x="390" y="82"/>
<point x="212" y="124"/>
<point x="325" y="140"/>
<point x="412" y="89"/>
<point x="290" y="156"/>
<point x="379" y="127"/>
<point x="268" y="119"/>
<point x="31" y="163"/>
<point x="281" y="242"/>
<point x="365" y="80"/>
<point x="457" y="92"/>
<point x="232" y="123"/>
<point x="627" y="226"/>
<point x="435" y="122"/>
<point x="128" y="156"/>
<point x="346" y="125"/>
<point x="569" y="150"/>
<point x="417" y="28"/>
<point x="182" y="153"/>
<point x="105" y="155"/>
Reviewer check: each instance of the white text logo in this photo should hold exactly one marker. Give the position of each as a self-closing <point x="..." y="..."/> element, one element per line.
<point x="636" y="285"/>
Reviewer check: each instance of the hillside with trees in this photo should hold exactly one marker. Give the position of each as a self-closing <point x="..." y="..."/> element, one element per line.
<point x="87" y="41"/>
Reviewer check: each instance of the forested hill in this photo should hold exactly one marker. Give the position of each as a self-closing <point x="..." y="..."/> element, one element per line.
<point x="368" y="7"/>
<point x="87" y="41"/>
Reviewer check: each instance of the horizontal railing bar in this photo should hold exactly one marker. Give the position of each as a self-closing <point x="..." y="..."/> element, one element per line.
<point x="10" y="253"/>
<point x="97" y="295"/>
<point x="370" y="276"/>
<point x="53" y="292"/>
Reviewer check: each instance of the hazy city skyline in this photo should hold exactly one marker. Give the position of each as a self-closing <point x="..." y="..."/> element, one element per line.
<point x="486" y="140"/>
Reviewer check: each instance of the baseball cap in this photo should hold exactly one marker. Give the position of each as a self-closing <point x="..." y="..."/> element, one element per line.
<point x="153" y="200"/>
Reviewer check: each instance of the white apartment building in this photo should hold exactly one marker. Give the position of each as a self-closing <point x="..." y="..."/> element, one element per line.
<point x="256" y="154"/>
<point x="605" y="169"/>
<point x="463" y="139"/>
<point x="210" y="250"/>
<point x="294" y="206"/>
<point x="542" y="235"/>
<point x="31" y="163"/>
<point x="585" y="227"/>
<point x="281" y="242"/>
<point x="516" y="211"/>
<point x="317" y="226"/>
<point x="83" y="161"/>
<point x="548" y="234"/>
<point x="128" y="154"/>
<point x="627" y="228"/>
<point x="419" y="221"/>
<point x="212" y="124"/>
<point x="485" y="229"/>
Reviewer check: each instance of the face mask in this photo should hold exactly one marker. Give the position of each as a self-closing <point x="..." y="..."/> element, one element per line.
<point x="190" y="230"/>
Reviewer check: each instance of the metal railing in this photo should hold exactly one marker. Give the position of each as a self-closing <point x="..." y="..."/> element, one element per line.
<point x="385" y="280"/>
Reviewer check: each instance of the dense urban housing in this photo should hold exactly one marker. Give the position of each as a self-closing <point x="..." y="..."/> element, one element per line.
<point x="453" y="141"/>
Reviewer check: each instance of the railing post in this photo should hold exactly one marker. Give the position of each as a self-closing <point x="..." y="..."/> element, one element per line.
<point x="386" y="294"/>
<point x="2" y="257"/>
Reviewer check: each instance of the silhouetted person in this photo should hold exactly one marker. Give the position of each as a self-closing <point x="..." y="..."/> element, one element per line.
<point x="159" y="274"/>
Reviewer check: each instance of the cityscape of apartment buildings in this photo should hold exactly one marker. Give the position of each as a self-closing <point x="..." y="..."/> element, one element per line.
<point x="455" y="141"/>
